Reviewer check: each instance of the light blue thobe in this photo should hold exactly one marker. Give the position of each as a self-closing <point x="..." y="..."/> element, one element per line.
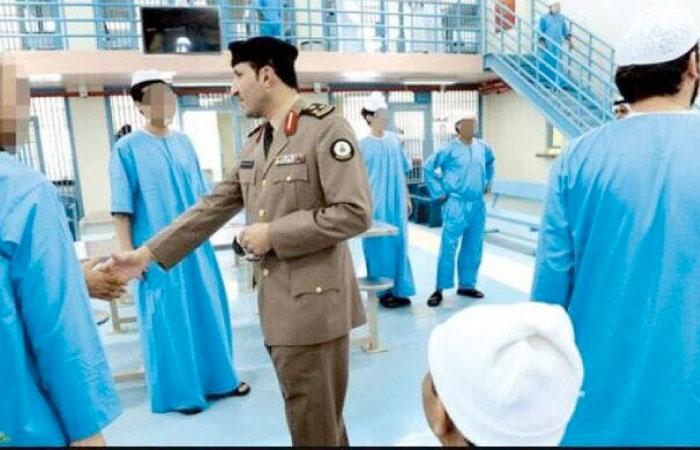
<point x="183" y="313"/>
<point x="56" y="384"/>
<point x="554" y="27"/>
<point x="271" y="21"/>
<point x="387" y="166"/>
<point x="466" y="172"/>
<point x="620" y="249"/>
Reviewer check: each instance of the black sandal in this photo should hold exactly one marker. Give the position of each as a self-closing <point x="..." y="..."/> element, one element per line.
<point x="242" y="390"/>
<point x="190" y="411"/>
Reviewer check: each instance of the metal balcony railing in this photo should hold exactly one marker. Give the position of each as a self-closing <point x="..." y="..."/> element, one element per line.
<point x="379" y="26"/>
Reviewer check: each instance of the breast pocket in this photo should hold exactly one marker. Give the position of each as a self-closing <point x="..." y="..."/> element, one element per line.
<point x="291" y="184"/>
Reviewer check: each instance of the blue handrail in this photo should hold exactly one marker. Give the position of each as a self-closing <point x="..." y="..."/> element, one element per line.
<point x="596" y="51"/>
<point x="571" y="80"/>
<point x="394" y="26"/>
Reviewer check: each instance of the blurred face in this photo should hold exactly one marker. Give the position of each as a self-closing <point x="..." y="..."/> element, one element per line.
<point x="251" y="88"/>
<point x="465" y="128"/>
<point x="14" y="105"/>
<point x="159" y="105"/>
<point x="380" y="120"/>
<point x="555" y="8"/>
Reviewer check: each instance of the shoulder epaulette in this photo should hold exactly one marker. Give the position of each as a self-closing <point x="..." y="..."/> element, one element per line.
<point x="318" y="110"/>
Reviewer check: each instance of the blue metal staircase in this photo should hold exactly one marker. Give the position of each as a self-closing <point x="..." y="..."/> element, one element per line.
<point x="576" y="94"/>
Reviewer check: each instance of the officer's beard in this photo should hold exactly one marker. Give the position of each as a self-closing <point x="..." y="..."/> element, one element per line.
<point x="695" y="92"/>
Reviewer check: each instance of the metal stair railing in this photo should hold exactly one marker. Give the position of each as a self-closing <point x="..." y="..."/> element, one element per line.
<point x="515" y="42"/>
<point x="591" y="48"/>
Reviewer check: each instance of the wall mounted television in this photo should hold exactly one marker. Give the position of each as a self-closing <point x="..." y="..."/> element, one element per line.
<point x="180" y="30"/>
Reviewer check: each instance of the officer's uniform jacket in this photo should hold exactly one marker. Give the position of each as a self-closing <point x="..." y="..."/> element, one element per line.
<point x="313" y="191"/>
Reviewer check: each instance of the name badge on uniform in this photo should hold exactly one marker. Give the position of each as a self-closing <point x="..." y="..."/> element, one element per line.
<point x="247" y="164"/>
<point x="294" y="158"/>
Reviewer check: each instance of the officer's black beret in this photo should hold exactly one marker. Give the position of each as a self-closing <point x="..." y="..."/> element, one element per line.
<point x="263" y="51"/>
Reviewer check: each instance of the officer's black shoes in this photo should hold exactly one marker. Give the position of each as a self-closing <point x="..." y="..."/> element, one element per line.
<point x="391" y="302"/>
<point x="470" y="292"/>
<point x="435" y="299"/>
<point x="190" y="411"/>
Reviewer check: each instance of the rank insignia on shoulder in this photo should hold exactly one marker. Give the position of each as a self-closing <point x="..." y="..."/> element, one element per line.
<point x="294" y="158"/>
<point x="318" y="110"/>
<point x="342" y="150"/>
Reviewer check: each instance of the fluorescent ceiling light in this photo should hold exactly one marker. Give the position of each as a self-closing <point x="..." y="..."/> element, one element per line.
<point x="429" y="83"/>
<point x="360" y="75"/>
<point x="200" y="84"/>
<point x="46" y="78"/>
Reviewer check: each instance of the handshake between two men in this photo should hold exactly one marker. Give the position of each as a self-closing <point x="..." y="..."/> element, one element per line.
<point x="124" y="266"/>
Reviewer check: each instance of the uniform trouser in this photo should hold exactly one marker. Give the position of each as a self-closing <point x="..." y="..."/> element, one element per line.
<point x="313" y="380"/>
<point x="465" y="220"/>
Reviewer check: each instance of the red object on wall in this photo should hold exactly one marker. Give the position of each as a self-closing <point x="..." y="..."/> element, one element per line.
<point x="505" y="15"/>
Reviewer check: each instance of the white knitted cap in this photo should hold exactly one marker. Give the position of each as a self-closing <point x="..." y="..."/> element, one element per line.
<point x="508" y="374"/>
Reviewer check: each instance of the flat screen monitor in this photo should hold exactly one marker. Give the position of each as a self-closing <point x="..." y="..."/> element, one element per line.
<point x="180" y="30"/>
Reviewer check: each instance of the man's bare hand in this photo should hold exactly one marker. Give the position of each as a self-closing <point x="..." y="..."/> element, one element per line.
<point x="129" y="265"/>
<point x="255" y="239"/>
<point x="102" y="285"/>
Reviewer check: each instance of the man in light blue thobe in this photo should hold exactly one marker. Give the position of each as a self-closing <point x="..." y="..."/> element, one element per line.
<point x="387" y="166"/>
<point x="183" y="313"/>
<point x="619" y="247"/>
<point x="57" y="387"/>
<point x="269" y="12"/>
<point x="555" y="30"/>
<point x="466" y="172"/>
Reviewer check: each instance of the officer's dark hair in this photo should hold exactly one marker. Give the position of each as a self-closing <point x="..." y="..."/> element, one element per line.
<point x="284" y="71"/>
<point x="264" y="51"/>
<point x="637" y="83"/>
<point x="137" y="89"/>
<point x="366" y="114"/>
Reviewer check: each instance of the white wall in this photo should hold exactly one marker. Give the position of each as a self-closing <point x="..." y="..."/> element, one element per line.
<point x="517" y="132"/>
<point x="92" y="152"/>
<point x="606" y="18"/>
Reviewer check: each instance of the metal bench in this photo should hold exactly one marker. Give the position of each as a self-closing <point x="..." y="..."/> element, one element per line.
<point x="520" y="190"/>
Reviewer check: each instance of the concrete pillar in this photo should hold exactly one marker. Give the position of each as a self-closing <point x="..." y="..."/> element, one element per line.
<point x="224" y="125"/>
<point x="92" y="152"/>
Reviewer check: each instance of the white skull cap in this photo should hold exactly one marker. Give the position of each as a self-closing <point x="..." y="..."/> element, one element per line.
<point x="656" y="36"/>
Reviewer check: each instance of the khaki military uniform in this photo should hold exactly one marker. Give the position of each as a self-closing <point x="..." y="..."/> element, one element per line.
<point x="312" y="189"/>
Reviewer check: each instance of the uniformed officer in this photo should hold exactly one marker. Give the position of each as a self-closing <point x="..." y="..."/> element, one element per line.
<point x="305" y="191"/>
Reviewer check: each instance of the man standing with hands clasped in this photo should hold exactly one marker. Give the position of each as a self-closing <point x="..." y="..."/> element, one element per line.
<point x="304" y="188"/>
